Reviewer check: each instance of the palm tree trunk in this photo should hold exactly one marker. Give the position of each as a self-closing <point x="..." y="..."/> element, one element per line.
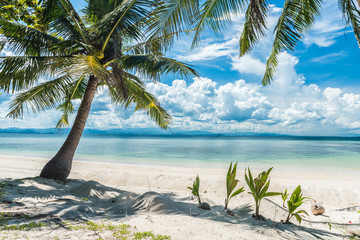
<point x="59" y="166"/>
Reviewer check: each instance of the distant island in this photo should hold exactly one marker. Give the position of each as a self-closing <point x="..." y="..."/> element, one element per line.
<point x="171" y="133"/>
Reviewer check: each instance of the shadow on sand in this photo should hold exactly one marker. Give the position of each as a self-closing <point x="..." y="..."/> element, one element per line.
<point x="89" y="200"/>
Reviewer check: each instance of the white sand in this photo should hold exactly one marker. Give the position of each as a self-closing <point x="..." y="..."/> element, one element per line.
<point x="156" y="198"/>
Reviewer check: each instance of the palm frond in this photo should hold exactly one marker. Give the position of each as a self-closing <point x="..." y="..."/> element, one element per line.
<point x="143" y="101"/>
<point x="124" y="17"/>
<point x="172" y="17"/>
<point x="76" y="90"/>
<point x="154" y="66"/>
<point x="352" y="15"/>
<point x="44" y="96"/>
<point x="79" y="25"/>
<point x="67" y="108"/>
<point x="59" y="22"/>
<point x="216" y="14"/>
<point x="21" y="72"/>
<point x="22" y="39"/>
<point x="297" y="16"/>
<point x="78" y="65"/>
<point x="154" y="44"/>
<point x="254" y="26"/>
<point x="97" y="9"/>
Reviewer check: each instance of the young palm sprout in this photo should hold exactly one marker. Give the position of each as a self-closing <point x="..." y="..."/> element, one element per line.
<point x="284" y="196"/>
<point x="195" y="189"/>
<point x="231" y="183"/>
<point x="259" y="188"/>
<point x="295" y="201"/>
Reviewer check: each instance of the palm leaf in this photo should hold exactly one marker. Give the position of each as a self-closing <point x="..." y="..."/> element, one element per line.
<point x="79" y="25"/>
<point x="154" y="44"/>
<point x="125" y="16"/>
<point x="79" y="65"/>
<point x="297" y="16"/>
<point x="21" y="72"/>
<point x="154" y="66"/>
<point x="215" y="14"/>
<point x="172" y="17"/>
<point x="76" y="91"/>
<point x="44" y="96"/>
<point x="23" y="39"/>
<point x="352" y="15"/>
<point x="97" y="9"/>
<point x="59" y="21"/>
<point x="237" y="192"/>
<point x="298" y="218"/>
<point x="254" y="26"/>
<point x="143" y="101"/>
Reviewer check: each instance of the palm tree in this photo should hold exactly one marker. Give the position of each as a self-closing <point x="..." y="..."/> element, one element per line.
<point x="107" y="48"/>
<point x="296" y="18"/>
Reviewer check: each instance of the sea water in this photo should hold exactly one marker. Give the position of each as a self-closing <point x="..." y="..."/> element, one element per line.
<point x="208" y="151"/>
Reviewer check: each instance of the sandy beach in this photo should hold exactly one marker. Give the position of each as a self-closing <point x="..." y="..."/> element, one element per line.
<point x="156" y="198"/>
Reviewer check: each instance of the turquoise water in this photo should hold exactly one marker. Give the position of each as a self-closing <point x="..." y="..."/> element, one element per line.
<point x="193" y="151"/>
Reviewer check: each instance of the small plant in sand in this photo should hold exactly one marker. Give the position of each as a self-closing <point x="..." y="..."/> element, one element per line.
<point x="195" y="188"/>
<point x="284" y="196"/>
<point x="196" y="192"/>
<point x="231" y="183"/>
<point x="259" y="188"/>
<point x="295" y="201"/>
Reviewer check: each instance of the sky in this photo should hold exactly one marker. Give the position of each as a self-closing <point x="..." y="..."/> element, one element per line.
<point x="315" y="91"/>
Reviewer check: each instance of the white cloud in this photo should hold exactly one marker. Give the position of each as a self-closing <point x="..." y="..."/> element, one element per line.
<point x="248" y="64"/>
<point x="210" y="51"/>
<point x="328" y="26"/>
<point x="328" y="58"/>
<point x="229" y="108"/>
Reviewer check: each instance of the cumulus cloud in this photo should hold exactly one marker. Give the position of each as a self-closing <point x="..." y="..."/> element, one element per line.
<point x="239" y="105"/>
<point x="248" y="64"/>
<point x="234" y="107"/>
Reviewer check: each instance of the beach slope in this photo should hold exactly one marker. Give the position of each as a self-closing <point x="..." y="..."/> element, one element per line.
<point x="117" y="201"/>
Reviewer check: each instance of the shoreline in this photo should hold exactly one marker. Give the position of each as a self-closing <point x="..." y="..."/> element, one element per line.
<point x="152" y="174"/>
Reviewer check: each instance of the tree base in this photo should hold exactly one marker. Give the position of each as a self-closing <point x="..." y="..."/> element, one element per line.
<point x="259" y="217"/>
<point x="204" y="206"/>
<point x="56" y="169"/>
<point x="285" y="222"/>
<point x="231" y="213"/>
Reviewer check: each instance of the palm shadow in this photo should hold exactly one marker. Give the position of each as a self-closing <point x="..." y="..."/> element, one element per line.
<point x="90" y="200"/>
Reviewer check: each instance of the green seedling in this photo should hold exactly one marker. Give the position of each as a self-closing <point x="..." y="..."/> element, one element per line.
<point x="23" y="227"/>
<point x="144" y="235"/>
<point x="195" y="188"/>
<point x="295" y="201"/>
<point x="231" y="183"/>
<point x="259" y="188"/>
<point x="284" y="196"/>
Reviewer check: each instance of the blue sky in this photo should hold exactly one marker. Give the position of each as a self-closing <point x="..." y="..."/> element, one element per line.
<point x="316" y="90"/>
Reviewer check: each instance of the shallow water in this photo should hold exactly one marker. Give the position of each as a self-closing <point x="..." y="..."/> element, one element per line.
<point x="194" y="151"/>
